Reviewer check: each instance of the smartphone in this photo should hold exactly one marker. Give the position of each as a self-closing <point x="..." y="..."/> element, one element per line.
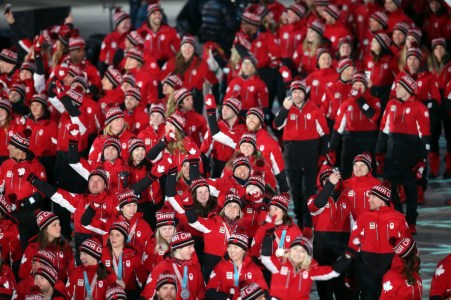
<point x="289" y="93"/>
<point x="7" y="8"/>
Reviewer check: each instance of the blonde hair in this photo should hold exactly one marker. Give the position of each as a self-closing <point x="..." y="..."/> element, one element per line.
<point x="304" y="265"/>
<point x="178" y="145"/>
<point x="108" y="131"/>
<point x="161" y="243"/>
<point x="171" y="105"/>
<point x="56" y="57"/>
<point x="235" y="59"/>
<point x="311" y="47"/>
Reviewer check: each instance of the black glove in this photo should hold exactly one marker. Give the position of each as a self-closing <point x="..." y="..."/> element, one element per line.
<point x="341" y="264"/>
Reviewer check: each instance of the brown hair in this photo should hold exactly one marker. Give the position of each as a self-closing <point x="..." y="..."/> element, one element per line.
<point x="411" y="266"/>
<point x="56" y="57"/>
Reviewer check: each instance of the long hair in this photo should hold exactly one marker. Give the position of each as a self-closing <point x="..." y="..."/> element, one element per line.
<point x="234" y="59"/>
<point x="434" y="65"/>
<point x="171" y="105"/>
<point x="102" y="271"/>
<point x="312" y="46"/>
<point x="43" y="240"/>
<point x="203" y="211"/>
<point x="161" y="243"/>
<point x="181" y="66"/>
<point x="178" y="145"/>
<point x="8" y="120"/>
<point x="411" y="266"/>
<point x="108" y="131"/>
<point x="56" y="57"/>
<point x="303" y="265"/>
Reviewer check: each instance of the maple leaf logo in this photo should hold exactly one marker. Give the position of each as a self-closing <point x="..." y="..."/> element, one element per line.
<point x="439" y="271"/>
<point x="387" y="286"/>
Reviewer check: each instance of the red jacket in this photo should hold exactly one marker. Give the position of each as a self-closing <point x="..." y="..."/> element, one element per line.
<point x="251" y="91"/>
<point x="441" y="281"/>
<point x="64" y="136"/>
<point x="334" y="32"/>
<point x="217" y="232"/>
<point x="436" y="26"/>
<point x="147" y="81"/>
<point x="95" y="152"/>
<point x="178" y="157"/>
<point x="333" y="216"/>
<point x="7" y="281"/>
<point x="304" y="61"/>
<point x="138" y="235"/>
<point x="383" y="71"/>
<point x="222" y="276"/>
<point x="137" y="119"/>
<point x="104" y="204"/>
<point x="43" y="139"/>
<point x="356" y="189"/>
<point x="76" y="284"/>
<point x="5" y="135"/>
<point x="351" y="116"/>
<point x="9" y="241"/>
<point x="195" y="126"/>
<point x="333" y="97"/>
<point x="113" y="97"/>
<point x="444" y="76"/>
<point x="151" y="137"/>
<point x="13" y="177"/>
<point x="95" y="116"/>
<point x="161" y="45"/>
<point x="265" y="49"/>
<point x="287" y="283"/>
<point x="196" y="284"/>
<point x="223" y="152"/>
<point x="113" y="41"/>
<point x="133" y="271"/>
<point x="292" y="231"/>
<point x="195" y="75"/>
<point x="303" y="124"/>
<point x="270" y="150"/>
<point x="373" y="229"/>
<point x="152" y="257"/>
<point x="64" y="264"/>
<point x="23" y="288"/>
<point x="319" y="81"/>
<point x="220" y="187"/>
<point x="290" y="36"/>
<point x="395" y="285"/>
<point x="398" y="16"/>
<point x="406" y="117"/>
<point x="427" y="86"/>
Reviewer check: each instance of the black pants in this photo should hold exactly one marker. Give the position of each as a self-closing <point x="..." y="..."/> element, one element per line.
<point x="397" y="173"/>
<point x="383" y="93"/>
<point x="69" y="180"/>
<point x="302" y="185"/>
<point x="436" y="124"/>
<point x="327" y="247"/>
<point x="354" y="143"/>
<point x="210" y="262"/>
<point x="446" y="117"/>
<point x="373" y="268"/>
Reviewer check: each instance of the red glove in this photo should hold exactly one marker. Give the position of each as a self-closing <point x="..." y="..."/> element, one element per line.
<point x="332" y="157"/>
<point x="74" y="131"/>
<point x="322" y="160"/>
<point x="286" y="74"/>
<point x="193" y="156"/>
<point x="169" y="165"/>
<point x="170" y="137"/>
<point x="419" y="169"/>
<point x="156" y="172"/>
<point x="380" y="164"/>
<point x="253" y="198"/>
<point x="38" y="42"/>
<point x="210" y="103"/>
